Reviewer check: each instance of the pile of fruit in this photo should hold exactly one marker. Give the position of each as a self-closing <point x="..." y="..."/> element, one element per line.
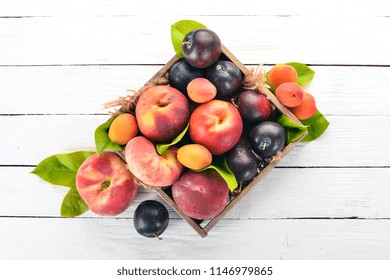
<point x="202" y="136"/>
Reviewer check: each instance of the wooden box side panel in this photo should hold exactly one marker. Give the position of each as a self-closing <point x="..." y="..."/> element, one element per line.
<point x="203" y="231"/>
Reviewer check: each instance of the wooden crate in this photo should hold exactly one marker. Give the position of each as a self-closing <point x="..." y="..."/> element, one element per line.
<point x="195" y="224"/>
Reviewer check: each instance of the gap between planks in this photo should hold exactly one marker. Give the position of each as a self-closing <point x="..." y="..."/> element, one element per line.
<point x="226" y="219"/>
<point x="160" y="64"/>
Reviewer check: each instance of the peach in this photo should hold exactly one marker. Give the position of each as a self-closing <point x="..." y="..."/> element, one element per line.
<point x="201" y="195"/>
<point x="105" y="184"/>
<point x="194" y="156"/>
<point x="281" y="73"/>
<point x="290" y="94"/>
<point x="306" y="109"/>
<point x="123" y="129"/>
<point x="201" y="90"/>
<point x="148" y="166"/>
<point x="217" y="125"/>
<point x="162" y="112"/>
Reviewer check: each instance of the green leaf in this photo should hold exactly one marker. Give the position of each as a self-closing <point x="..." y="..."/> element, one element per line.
<point x="73" y="205"/>
<point x="219" y="164"/>
<point x="316" y="125"/>
<point x="305" y="74"/>
<point x="61" y="169"/>
<point x="179" y="30"/>
<point x="161" y="148"/>
<point x="293" y="130"/>
<point x="102" y="141"/>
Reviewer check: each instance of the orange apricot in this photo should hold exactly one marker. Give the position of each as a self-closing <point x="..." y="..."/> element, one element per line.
<point x="123" y="129"/>
<point x="281" y="73"/>
<point x="290" y="94"/>
<point x="194" y="156"/>
<point x="306" y="109"/>
<point x="201" y="90"/>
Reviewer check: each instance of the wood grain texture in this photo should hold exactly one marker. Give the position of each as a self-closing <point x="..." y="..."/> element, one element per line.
<point x="61" y="134"/>
<point x="82" y="89"/>
<point x="284" y="193"/>
<point x="263" y="239"/>
<point x="176" y="8"/>
<point x="308" y="39"/>
<point x="60" y="60"/>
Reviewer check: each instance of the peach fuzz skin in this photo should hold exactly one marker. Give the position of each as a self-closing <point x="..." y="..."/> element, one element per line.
<point x="148" y="166"/>
<point x="281" y="73"/>
<point x="162" y="112"/>
<point x="194" y="156"/>
<point x="290" y="94"/>
<point x="201" y="90"/>
<point x="201" y="195"/>
<point x="123" y="129"/>
<point x="306" y="109"/>
<point x="105" y="184"/>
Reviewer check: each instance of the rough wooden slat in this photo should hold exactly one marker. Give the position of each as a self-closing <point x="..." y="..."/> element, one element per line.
<point x="349" y="140"/>
<point x="309" y="39"/>
<point x="82" y="89"/>
<point x="176" y="8"/>
<point x="255" y="239"/>
<point x="283" y="193"/>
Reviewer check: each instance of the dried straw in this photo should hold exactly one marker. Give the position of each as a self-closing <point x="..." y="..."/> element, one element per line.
<point x="254" y="78"/>
<point x="127" y="103"/>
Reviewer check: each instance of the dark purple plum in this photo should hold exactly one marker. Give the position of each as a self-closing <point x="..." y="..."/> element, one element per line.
<point x="253" y="106"/>
<point x="267" y="139"/>
<point x="181" y="73"/>
<point x="201" y="47"/>
<point x="151" y="218"/>
<point x="242" y="162"/>
<point x="226" y="77"/>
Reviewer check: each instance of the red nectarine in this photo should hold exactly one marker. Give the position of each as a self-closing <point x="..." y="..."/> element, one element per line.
<point x="217" y="125"/>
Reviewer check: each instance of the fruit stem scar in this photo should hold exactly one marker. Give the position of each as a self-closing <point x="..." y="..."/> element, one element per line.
<point x="158" y="237"/>
<point x="106" y="184"/>
<point x="263" y="146"/>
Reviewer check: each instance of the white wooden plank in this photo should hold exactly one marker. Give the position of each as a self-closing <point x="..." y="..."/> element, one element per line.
<point x="325" y="193"/>
<point x="176" y="7"/>
<point x="349" y="140"/>
<point x="82" y="89"/>
<point x="135" y="40"/>
<point x="256" y="239"/>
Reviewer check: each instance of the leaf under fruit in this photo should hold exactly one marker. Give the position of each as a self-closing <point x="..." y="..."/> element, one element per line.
<point x="293" y="130"/>
<point x="219" y="164"/>
<point x="179" y="30"/>
<point x="102" y="140"/>
<point x="161" y="148"/>
<point x="73" y="205"/>
<point x="305" y="73"/>
<point x="316" y="126"/>
<point x="61" y="169"/>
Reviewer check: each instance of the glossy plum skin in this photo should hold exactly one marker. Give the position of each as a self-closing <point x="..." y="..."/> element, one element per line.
<point x="253" y="106"/>
<point x="201" y="47"/>
<point x="267" y="139"/>
<point x="226" y="77"/>
<point x="151" y="218"/>
<point x="242" y="162"/>
<point x="181" y="74"/>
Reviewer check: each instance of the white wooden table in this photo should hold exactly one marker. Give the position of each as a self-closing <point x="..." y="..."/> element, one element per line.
<point x="329" y="199"/>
